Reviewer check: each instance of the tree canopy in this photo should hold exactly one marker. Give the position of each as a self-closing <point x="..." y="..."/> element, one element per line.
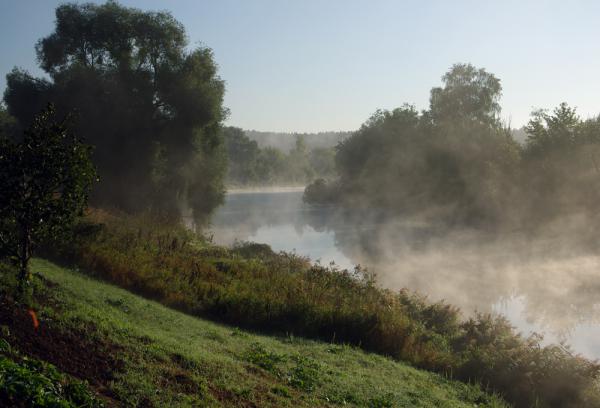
<point x="468" y="94"/>
<point x="458" y="163"/>
<point x="454" y="160"/>
<point x="151" y="107"/>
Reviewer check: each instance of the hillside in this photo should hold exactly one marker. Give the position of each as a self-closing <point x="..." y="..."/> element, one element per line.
<point x="136" y="352"/>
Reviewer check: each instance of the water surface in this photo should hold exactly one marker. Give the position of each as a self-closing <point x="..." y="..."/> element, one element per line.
<point x="547" y="285"/>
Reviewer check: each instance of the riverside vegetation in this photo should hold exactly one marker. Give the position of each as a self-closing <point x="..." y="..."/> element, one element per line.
<point x="254" y="288"/>
<point x="119" y="349"/>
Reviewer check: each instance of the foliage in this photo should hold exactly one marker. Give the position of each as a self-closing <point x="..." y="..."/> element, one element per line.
<point x="319" y="192"/>
<point x="46" y="178"/>
<point x="266" y="360"/>
<point x="284" y="293"/>
<point x="8" y="125"/>
<point x="285" y="141"/>
<point x="151" y="107"/>
<point x="469" y="94"/>
<point x="561" y="164"/>
<point x="250" y="165"/>
<point x="305" y="374"/>
<point x="242" y="154"/>
<point x="401" y="161"/>
<point x="457" y="163"/>
<point x="33" y="383"/>
<point x="384" y="401"/>
<point x="167" y="358"/>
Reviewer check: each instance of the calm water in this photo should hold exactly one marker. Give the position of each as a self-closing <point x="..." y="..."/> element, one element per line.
<point x="542" y="285"/>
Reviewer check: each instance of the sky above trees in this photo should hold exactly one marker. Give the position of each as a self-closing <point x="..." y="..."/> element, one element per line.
<point x="312" y="65"/>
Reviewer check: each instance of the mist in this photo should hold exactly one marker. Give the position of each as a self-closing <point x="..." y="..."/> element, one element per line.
<point x="543" y="281"/>
<point x="453" y="204"/>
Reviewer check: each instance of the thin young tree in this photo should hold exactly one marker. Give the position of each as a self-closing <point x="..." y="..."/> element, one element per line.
<point x="46" y="177"/>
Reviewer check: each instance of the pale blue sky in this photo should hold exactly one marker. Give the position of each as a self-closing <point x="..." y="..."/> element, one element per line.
<point x="309" y="65"/>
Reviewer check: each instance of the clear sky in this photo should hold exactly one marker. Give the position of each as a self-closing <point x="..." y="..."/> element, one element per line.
<point x="310" y="65"/>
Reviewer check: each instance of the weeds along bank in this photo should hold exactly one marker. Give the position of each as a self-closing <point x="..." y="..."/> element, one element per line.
<point x="253" y="287"/>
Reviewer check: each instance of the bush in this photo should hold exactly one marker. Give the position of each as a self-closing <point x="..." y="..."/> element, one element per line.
<point x="319" y="192"/>
<point x="31" y="383"/>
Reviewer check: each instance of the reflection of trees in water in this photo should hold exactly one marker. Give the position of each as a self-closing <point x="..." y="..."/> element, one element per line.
<point x="554" y="271"/>
<point x="244" y="213"/>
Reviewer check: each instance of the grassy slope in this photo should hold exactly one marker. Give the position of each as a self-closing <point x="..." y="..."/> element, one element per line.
<point x="172" y="359"/>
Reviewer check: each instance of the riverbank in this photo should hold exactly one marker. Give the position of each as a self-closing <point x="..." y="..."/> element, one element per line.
<point x="136" y="352"/>
<point x="251" y="286"/>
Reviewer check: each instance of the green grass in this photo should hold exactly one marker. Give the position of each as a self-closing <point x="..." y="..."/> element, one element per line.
<point x="250" y="286"/>
<point x="173" y="359"/>
<point x="28" y="382"/>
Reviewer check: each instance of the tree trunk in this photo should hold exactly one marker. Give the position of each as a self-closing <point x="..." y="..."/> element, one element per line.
<point x="24" y="255"/>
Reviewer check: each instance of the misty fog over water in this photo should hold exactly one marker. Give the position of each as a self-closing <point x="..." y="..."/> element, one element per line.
<point x="546" y="285"/>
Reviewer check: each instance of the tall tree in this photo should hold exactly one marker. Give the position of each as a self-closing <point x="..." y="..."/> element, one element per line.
<point x="562" y="162"/>
<point x="152" y="109"/>
<point x="467" y="94"/>
<point x="454" y="161"/>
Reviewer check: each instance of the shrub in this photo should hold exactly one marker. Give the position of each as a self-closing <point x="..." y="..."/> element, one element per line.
<point x="31" y="383"/>
<point x="305" y="374"/>
<point x="266" y="360"/>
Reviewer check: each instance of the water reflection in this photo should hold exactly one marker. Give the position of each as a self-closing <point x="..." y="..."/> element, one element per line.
<point x="548" y="285"/>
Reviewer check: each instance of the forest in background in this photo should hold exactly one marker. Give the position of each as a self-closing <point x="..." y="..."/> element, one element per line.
<point x="253" y="165"/>
<point x="285" y="141"/>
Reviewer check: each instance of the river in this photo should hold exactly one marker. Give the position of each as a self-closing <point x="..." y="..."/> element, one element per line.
<point x="544" y="285"/>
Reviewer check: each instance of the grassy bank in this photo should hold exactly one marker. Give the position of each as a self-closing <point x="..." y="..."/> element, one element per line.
<point x="136" y="352"/>
<point x="253" y="287"/>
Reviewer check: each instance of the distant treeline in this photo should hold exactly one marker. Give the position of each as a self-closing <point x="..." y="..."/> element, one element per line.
<point x="249" y="164"/>
<point x="458" y="163"/>
<point x="287" y="141"/>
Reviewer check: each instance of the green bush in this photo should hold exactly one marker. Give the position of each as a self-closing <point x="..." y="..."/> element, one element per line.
<point x="305" y="374"/>
<point x="31" y="383"/>
<point x="263" y="358"/>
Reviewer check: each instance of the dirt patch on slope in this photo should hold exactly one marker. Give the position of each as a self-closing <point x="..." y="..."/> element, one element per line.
<point x="81" y="352"/>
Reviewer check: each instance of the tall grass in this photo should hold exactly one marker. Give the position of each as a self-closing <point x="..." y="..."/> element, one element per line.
<point x="253" y="287"/>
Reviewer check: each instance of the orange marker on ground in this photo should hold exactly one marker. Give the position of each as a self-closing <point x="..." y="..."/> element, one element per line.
<point x="34" y="319"/>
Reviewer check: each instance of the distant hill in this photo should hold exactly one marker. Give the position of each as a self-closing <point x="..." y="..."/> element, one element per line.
<point x="286" y="141"/>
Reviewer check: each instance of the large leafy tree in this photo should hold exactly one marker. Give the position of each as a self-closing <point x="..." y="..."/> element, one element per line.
<point x="151" y="107"/>
<point x="46" y="177"/>
<point x="468" y="94"/>
<point x="454" y="161"/>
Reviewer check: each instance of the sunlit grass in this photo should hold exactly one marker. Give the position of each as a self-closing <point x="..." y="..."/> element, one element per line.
<point x="252" y="287"/>
<point x="222" y="366"/>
